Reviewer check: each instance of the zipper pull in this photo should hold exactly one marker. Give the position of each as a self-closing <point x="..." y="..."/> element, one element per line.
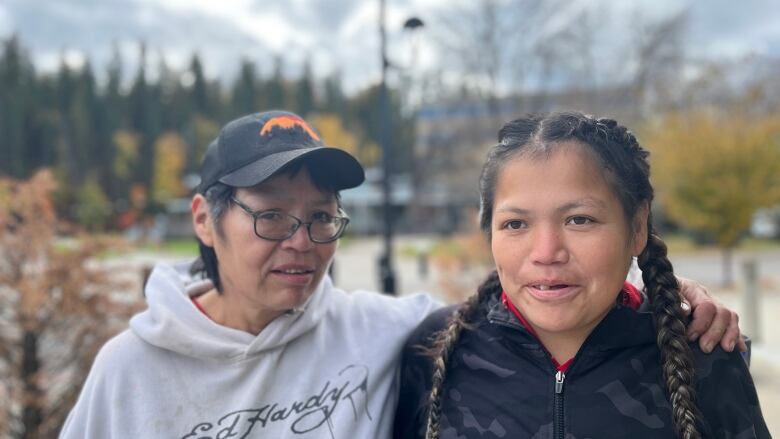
<point x="559" y="377"/>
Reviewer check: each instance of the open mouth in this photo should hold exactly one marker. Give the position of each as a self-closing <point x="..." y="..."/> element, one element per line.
<point x="294" y="271"/>
<point x="294" y="274"/>
<point x="552" y="290"/>
<point x="550" y="287"/>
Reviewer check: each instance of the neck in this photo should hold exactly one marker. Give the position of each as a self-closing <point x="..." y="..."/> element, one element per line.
<point x="226" y="312"/>
<point x="562" y="347"/>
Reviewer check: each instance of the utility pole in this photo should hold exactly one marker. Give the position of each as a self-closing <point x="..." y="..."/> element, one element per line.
<point x="386" y="270"/>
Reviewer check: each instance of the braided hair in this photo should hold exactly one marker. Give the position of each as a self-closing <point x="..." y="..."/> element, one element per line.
<point x="628" y="174"/>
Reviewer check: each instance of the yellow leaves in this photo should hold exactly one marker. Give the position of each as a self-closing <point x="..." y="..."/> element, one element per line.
<point x="370" y="154"/>
<point x="713" y="171"/>
<point x="333" y="133"/>
<point x="93" y="208"/>
<point x="127" y="145"/>
<point x="204" y="130"/>
<point x="169" y="161"/>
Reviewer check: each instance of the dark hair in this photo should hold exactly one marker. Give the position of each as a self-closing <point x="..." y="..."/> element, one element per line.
<point x="218" y="199"/>
<point x="628" y="173"/>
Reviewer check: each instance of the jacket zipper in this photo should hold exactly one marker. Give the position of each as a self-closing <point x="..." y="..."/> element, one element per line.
<point x="558" y="422"/>
<point x="558" y="431"/>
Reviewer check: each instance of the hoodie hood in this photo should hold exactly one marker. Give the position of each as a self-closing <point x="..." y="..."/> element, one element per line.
<point x="172" y="321"/>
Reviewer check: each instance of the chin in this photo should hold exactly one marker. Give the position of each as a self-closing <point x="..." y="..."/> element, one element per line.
<point x="550" y="323"/>
<point x="296" y="297"/>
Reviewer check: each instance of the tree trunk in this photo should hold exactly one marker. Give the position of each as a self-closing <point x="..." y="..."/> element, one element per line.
<point x="31" y="402"/>
<point x="728" y="272"/>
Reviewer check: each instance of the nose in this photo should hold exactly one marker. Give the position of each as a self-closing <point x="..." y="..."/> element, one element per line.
<point x="548" y="246"/>
<point x="299" y="241"/>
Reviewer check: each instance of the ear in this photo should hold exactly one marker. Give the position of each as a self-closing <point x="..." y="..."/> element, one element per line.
<point x="201" y="220"/>
<point x="639" y="236"/>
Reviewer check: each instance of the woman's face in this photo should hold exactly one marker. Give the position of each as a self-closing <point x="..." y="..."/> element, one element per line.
<point x="273" y="275"/>
<point x="560" y="240"/>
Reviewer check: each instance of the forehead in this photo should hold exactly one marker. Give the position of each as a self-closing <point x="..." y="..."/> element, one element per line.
<point x="563" y="172"/>
<point x="291" y="187"/>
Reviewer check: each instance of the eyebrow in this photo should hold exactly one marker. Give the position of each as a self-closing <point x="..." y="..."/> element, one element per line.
<point x="272" y="193"/>
<point x="582" y="202"/>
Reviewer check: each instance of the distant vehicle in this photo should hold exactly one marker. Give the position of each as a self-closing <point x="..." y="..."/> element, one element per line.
<point x="766" y="223"/>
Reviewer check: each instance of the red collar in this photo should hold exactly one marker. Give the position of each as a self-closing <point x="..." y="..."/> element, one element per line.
<point x="629" y="296"/>
<point x="199" y="306"/>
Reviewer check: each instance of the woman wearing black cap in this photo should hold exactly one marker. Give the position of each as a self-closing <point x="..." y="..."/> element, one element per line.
<point x="263" y="345"/>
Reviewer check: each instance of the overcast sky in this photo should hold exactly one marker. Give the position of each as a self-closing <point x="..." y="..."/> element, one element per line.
<point x="334" y="34"/>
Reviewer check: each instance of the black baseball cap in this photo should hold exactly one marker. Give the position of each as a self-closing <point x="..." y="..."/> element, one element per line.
<point x="253" y="148"/>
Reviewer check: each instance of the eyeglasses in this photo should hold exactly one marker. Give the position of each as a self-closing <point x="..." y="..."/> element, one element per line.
<point x="278" y="226"/>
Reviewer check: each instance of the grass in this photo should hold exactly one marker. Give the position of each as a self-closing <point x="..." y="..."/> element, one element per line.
<point x="177" y="247"/>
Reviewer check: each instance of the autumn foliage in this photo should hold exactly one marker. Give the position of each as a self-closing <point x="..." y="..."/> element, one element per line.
<point x="713" y="170"/>
<point x="58" y="305"/>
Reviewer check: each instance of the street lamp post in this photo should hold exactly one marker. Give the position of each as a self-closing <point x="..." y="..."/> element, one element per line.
<point x="386" y="270"/>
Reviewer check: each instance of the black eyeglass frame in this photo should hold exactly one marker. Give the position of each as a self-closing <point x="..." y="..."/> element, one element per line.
<point x="342" y="219"/>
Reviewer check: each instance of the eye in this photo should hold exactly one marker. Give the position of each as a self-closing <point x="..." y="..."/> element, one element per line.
<point x="322" y="217"/>
<point x="270" y="215"/>
<point x="579" y="220"/>
<point x="514" y="225"/>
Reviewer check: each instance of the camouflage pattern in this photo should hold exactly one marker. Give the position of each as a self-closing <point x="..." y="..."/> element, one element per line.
<point x="500" y="383"/>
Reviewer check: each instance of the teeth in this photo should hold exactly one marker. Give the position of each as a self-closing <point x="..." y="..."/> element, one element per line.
<point x="549" y="287"/>
<point x="293" y="271"/>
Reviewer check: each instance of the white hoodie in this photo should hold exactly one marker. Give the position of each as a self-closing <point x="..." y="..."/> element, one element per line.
<point x="327" y="371"/>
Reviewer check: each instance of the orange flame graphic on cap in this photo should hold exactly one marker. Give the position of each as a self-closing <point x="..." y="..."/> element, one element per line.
<point x="287" y="122"/>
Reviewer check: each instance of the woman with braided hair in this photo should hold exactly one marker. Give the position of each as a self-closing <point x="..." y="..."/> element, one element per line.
<point x="555" y="344"/>
<point x="254" y="340"/>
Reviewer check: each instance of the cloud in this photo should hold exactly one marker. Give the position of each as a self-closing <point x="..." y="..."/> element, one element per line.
<point x="733" y="29"/>
<point x="319" y="16"/>
<point x="94" y="26"/>
<point x="334" y="35"/>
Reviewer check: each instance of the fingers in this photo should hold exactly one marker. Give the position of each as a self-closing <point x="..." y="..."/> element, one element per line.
<point x="731" y="337"/>
<point x="741" y="345"/>
<point x="686" y="308"/>
<point x="703" y="316"/>
<point x="714" y="334"/>
<point x="712" y="323"/>
<point x="693" y="292"/>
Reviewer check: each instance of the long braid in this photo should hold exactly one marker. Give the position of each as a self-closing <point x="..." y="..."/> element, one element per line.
<point x="445" y="342"/>
<point x="660" y="283"/>
<point x="676" y="356"/>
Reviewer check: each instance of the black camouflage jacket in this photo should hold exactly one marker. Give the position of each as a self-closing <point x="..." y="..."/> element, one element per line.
<point x="501" y="383"/>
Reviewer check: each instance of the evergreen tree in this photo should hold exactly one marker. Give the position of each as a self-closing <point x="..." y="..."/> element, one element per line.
<point x="274" y="89"/>
<point x="84" y="116"/>
<point x="199" y="92"/>
<point x="334" y="99"/>
<point x="109" y="120"/>
<point x="144" y="121"/>
<point x="245" y="94"/>
<point x="304" y="92"/>
<point x="16" y="108"/>
<point x="365" y="111"/>
<point x="69" y="157"/>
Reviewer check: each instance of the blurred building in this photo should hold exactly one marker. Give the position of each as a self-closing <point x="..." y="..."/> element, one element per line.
<point x="452" y="139"/>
